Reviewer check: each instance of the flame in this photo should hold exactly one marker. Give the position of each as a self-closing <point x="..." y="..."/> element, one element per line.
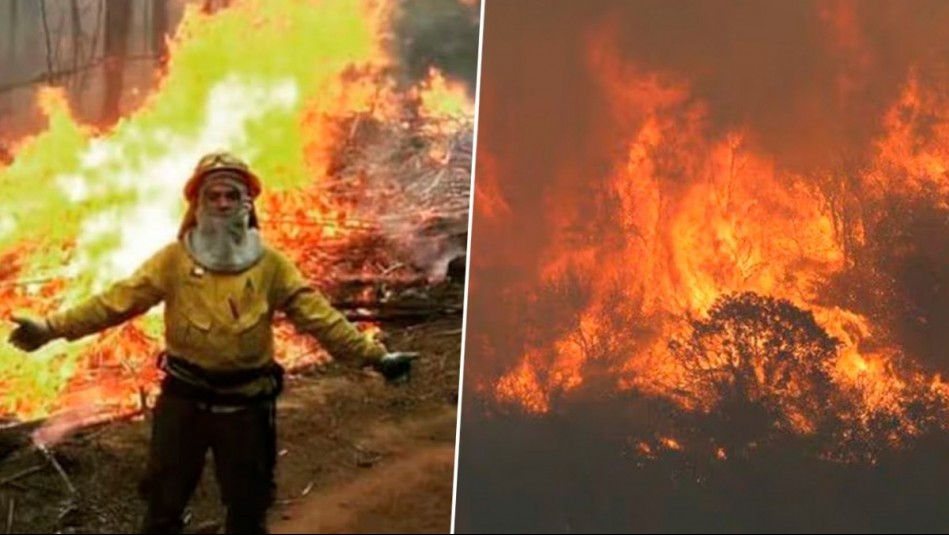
<point x="444" y="98"/>
<point x="523" y="386"/>
<point x="278" y="82"/>
<point x="670" y="443"/>
<point x="644" y="449"/>
<point x="693" y="217"/>
<point x="489" y="201"/>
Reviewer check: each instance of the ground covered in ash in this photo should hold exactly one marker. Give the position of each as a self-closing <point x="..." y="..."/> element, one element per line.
<point x="356" y="456"/>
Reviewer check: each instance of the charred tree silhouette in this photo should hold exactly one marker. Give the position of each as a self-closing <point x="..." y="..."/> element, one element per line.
<point x="914" y="409"/>
<point x="899" y="277"/>
<point x="908" y="246"/>
<point x="761" y="364"/>
<point x="843" y="196"/>
<point x="118" y="19"/>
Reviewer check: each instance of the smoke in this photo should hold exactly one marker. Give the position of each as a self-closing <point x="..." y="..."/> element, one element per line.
<point x="441" y="34"/>
<point x="809" y="79"/>
<point x="806" y="80"/>
<point x="419" y="201"/>
<point x="60" y="426"/>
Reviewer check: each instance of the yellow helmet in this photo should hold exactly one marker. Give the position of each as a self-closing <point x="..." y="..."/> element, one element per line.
<point x="210" y="163"/>
<point x="221" y="161"/>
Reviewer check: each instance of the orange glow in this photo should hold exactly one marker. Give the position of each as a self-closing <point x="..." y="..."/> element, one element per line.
<point x="696" y="216"/>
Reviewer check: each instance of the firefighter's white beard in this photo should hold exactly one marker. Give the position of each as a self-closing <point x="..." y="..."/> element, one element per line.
<point x="224" y="242"/>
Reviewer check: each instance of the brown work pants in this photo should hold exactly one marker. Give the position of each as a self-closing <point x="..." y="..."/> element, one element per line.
<point x="243" y="443"/>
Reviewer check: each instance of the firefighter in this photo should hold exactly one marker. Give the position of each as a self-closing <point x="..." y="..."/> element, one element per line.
<point x="221" y="286"/>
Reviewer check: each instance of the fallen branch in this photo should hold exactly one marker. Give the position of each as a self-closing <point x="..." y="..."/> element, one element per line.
<point x="405" y="282"/>
<point x="452" y="332"/>
<point x="383" y="314"/>
<point x="62" y="473"/>
<point x="21" y="474"/>
<point x="209" y="526"/>
<point x="399" y="316"/>
<point x="393" y="306"/>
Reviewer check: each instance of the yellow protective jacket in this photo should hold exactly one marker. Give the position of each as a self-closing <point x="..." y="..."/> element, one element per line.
<point x="220" y="322"/>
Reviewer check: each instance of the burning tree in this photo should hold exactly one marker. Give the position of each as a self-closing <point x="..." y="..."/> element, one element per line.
<point x="759" y="364"/>
<point x="760" y="368"/>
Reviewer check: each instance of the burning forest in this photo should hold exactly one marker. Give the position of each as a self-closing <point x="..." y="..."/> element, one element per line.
<point x="724" y="307"/>
<point x="364" y="144"/>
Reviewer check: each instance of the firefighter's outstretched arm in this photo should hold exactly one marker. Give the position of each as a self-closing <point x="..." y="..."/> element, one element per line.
<point x="310" y="311"/>
<point x="119" y="303"/>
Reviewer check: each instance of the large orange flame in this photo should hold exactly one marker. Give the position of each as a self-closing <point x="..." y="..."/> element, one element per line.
<point x="693" y="217"/>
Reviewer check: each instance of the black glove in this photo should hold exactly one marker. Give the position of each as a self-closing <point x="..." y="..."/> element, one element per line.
<point x="30" y="334"/>
<point x="396" y="365"/>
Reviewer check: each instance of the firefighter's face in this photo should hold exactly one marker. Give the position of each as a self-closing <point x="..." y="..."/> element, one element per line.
<point x="222" y="199"/>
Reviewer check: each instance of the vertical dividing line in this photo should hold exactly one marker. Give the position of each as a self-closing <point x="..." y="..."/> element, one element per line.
<point x="464" y="321"/>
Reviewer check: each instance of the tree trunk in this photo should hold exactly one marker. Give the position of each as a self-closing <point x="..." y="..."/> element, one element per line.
<point x="11" y="28"/>
<point x="78" y="41"/>
<point x="160" y="31"/>
<point x="48" y="40"/>
<point x="118" y="19"/>
<point x="75" y="20"/>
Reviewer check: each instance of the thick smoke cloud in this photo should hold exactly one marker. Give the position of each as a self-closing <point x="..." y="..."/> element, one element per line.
<point x="442" y="34"/>
<point x="809" y="79"/>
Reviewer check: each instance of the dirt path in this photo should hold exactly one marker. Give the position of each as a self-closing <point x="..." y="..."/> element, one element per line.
<point x="410" y="492"/>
